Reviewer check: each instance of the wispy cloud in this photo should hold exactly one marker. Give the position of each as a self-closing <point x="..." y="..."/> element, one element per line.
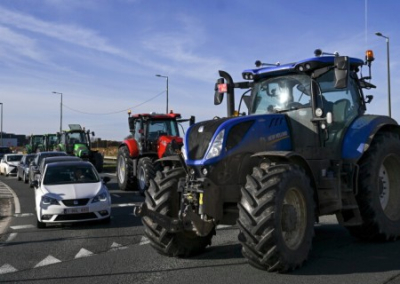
<point x="68" y="33"/>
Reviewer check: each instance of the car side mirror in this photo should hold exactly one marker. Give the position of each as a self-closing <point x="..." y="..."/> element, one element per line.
<point x="35" y="183"/>
<point x="106" y="179"/>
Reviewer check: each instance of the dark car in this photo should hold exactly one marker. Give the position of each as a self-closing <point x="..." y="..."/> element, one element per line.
<point x="23" y="167"/>
<point x="49" y="160"/>
<point x="4" y="150"/>
<point x="34" y="165"/>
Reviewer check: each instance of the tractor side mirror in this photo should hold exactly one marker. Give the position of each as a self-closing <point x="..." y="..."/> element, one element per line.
<point x="192" y="120"/>
<point x="341" y="72"/>
<point x="220" y="89"/>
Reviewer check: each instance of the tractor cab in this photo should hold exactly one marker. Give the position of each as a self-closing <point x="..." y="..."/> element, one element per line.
<point x="148" y="128"/>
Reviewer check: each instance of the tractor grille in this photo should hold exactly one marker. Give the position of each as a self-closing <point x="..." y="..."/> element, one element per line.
<point x="75" y="202"/>
<point x="199" y="141"/>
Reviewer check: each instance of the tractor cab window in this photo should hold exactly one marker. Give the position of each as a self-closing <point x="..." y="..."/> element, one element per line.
<point x="77" y="137"/>
<point x="282" y="93"/>
<point x="157" y="128"/>
<point x="342" y="103"/>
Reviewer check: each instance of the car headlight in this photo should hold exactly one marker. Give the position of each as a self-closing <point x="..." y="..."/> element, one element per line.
<point x="102" y="196"/>
<point x="49" y="200"/>
<point x="216" y="146"/>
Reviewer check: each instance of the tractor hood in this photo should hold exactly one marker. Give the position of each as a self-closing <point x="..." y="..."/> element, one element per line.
<point x="81" y="150"/>
<point x="210" y="141"/>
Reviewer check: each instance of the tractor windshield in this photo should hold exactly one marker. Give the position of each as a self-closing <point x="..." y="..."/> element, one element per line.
<point x="157" y="128"/>
<point x="77" y="138"/>
<point x="282" y="93"/>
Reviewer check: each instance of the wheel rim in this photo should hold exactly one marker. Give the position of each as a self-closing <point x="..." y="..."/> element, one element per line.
<point x="294" y="218"/>
<point x="142" y="178"/>
<point x="389" y="187"/>
<point x="121" y="169"/>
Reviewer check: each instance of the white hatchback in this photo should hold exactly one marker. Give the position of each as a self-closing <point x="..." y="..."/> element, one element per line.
<point x="9" y="164"/>
<point x="71" y="192"/>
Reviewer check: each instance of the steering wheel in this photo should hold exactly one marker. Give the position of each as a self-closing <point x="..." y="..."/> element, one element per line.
<point x="294" y="105"/>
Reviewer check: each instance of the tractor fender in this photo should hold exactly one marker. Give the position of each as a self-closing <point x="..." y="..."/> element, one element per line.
<point x="132" y="145"/>
<point x="289" y="156"/>
<point x="362" y="131"/>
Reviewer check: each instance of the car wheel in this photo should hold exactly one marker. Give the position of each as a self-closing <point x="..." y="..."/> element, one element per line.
<point x="18" y="177"/>
<point x="25" y="179"/>
<point x="40" y="225"/>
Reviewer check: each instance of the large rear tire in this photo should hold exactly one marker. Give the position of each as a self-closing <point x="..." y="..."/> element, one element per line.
<point x="125" y="170"/>
<point x="379" y="190"/>
<point x="145" y="172"/>
<point x="162" y="197"/>
<point x="276" y="217"/>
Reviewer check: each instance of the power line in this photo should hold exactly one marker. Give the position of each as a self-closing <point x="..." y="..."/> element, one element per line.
<point x="114" y="112"/>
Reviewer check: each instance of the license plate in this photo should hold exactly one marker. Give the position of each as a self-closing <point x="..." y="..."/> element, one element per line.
<point x="76" y="210"/>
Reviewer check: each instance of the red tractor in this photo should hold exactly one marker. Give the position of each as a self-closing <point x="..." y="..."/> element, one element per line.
<point x="150" y="139"/>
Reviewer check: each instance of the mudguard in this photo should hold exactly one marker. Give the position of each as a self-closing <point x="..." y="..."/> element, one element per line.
<point x="361" y="132"/>
<point x="133" y="147"/>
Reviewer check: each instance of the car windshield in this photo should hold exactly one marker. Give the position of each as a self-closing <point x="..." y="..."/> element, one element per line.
<point x="68" y="174"/>
<point x="282" y="93"/>
<point x="14" y="158"/>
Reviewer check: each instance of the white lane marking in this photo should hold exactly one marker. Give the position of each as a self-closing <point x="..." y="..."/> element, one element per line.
<point x="17" y="205"/>
<point x="223" y="226"/>
<point x="20" y="227"/>
<point x="83" y="253"/>
<point x="116" y="195"/>
<point x="11" y="237"/>
<point x="116" y="246"/>
<point x="144" y="241"/>
<point x="6" y="268"/>
<point x="47" y="261"/>
<point x="23" y="215"/>
<point x="127" y="204"/>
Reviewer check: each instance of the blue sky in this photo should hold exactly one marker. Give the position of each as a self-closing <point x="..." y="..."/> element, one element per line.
<point x="103" y="55"/>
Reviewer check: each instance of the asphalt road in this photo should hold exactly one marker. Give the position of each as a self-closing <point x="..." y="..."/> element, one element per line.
<point x="119" y="253"/>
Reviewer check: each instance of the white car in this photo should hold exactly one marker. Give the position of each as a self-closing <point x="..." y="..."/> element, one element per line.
<point x="71" y="192"/>
<point x="9" y="164"/>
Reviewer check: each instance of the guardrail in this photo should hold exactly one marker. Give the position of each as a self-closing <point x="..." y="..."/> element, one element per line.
<point x="110" y="158"/>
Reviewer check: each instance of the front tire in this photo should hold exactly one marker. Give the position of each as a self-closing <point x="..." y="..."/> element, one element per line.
<point x="125" y="170"/>
<point x="379" y="190"/>
<point x="276" y="217"/>
<point x="163" y="197"/>
<point x="98" y="162"/>
<point x="145" y="172"/>
<point x="18" y="177"/>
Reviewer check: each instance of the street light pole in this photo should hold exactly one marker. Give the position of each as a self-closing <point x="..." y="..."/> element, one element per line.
<point x="388" y="70"/>
<point x="1" y="124"/>
<point x="166" y="77"/>
<point x="61" y="108"/>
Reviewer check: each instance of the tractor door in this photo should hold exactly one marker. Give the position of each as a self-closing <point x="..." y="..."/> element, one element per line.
<point x="344" y="104"/>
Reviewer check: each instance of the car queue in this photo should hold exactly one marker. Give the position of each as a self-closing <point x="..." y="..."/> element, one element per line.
<point x="67" y="189"/>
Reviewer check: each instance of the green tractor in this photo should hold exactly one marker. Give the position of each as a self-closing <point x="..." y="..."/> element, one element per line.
<point x="76" y="142"/>
<point x="36" y="144"/>
<point x="50" y="142"/>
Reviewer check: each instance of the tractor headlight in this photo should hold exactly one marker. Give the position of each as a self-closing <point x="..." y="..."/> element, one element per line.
<point x="216" y="146"/>
<point x="183" y="150"/>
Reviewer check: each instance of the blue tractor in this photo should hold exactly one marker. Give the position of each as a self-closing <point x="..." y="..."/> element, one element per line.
<point x="303" y="149"/>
